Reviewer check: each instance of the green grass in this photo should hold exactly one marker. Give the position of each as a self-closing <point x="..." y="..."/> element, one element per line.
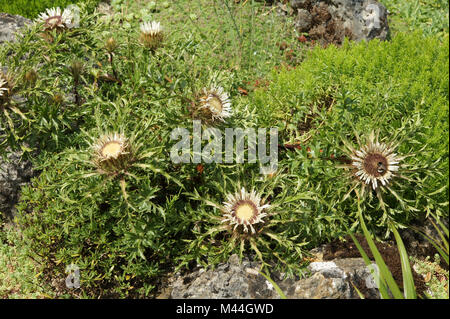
<point x="19" y="274"/>
<point x="244" y="39"/>
<point x="429" y="16"/>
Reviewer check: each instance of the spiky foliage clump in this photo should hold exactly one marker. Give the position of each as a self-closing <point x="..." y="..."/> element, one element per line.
<point x="268" y="218"/>
<point x="40" y="106"/>
<point x="388" y="168"/>
<point x="113" y="220"/>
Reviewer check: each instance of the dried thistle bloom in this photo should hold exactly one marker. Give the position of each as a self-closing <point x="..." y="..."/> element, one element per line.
<point x="374" y="164"/>
<point x="216" y="103"/>
<point x="54" y="18"/>
<point x="31" y="76"/>
<point x="244" y="209"/>
<point x="112" y="153"/>
<point x="151" y="34"/>
<point x="247" y="218"/>
<point x="111" y="45"/>
<point x="76" y="68"/>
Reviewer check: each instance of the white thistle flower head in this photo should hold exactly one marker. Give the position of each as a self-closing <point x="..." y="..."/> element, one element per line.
<point x="217" y="102"/>
<point x="151" y="34"/>
<point x="244" y="208"/>
<point x="375" y="163"/>
<point x="54" y="18"/>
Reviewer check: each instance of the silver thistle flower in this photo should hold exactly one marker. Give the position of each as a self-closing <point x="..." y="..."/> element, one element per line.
<point x="244" y="208"/>
<point x="217" y="102"/>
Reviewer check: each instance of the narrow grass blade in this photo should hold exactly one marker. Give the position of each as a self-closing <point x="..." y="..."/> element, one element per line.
<point x="381" y="284"/>
<point x="441" y="250"/>
<point x="444" y="241"/>
<point x="408" y="279"/>
<point x="358" y="292"/>
<point x="445" y="229"/>
<point x="384" y="270"/>
<point x="277" y="288"/>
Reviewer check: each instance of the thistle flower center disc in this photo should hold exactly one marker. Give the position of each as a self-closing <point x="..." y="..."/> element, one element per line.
<point x="111" y="149"/>
<point x="216" y="104"/>
<point x="53" y="21"/>
<point x="375" y="164"/>
<point x="245" y="210"/>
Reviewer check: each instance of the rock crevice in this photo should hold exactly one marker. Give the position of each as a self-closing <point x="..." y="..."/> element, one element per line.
<point x="330" y="21"/>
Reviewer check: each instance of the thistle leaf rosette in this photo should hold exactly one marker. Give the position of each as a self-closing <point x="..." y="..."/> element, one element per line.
<point x="377" y="166"/>
<point x="254" y="220"/>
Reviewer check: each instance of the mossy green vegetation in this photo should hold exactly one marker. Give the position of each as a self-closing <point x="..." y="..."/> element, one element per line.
<point x="20" y="276"/>
<point x="436" y="277"/>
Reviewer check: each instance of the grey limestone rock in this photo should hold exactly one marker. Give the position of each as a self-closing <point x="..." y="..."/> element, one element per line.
<point x="303" y="21"/>
<point x="10" y="25"/>
<point x="327" y="280"/>
<point x="14" y="173"/>
<point x="228" y="280"/>
<point x="367" y="19"/>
